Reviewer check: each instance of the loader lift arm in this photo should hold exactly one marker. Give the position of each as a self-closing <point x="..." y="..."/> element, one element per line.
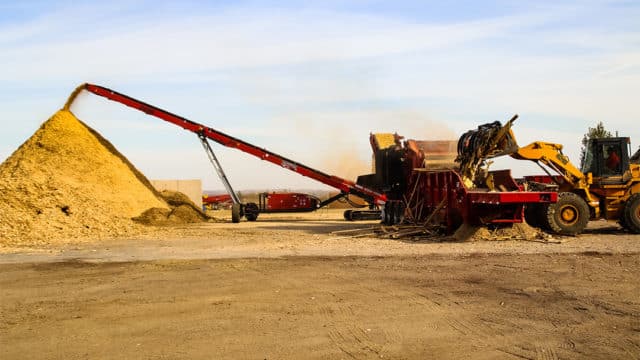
<point x="551" y="155"/>
<point x="345" y="186"/>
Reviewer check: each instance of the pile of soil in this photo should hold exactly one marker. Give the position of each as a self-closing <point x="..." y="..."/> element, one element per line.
<point x="516" y="231"/>
<point x="68" y="182"/>
<point x="183" y="211"/>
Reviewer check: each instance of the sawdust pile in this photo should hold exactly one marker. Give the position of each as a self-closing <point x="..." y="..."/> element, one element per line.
<point x="516" y="231"/>
<point x="68" y="182"/>
<point x="183" y="211"/>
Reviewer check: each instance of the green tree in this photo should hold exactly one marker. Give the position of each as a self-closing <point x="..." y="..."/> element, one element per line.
<point x="593" y="133"/>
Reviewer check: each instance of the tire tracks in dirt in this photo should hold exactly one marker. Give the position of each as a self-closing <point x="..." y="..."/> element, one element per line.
<point x="346" y="331"/>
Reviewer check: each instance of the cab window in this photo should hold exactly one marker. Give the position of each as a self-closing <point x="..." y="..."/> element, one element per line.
<point x="587" y="161"/>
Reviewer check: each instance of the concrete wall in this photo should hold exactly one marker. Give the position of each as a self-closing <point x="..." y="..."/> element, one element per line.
<point x="191" y="188"/>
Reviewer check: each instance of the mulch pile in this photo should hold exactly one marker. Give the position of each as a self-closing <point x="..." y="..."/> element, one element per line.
<point x="67" y="182"/>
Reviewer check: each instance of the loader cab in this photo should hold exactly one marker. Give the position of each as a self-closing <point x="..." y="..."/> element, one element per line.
<point x="607" y="158"/>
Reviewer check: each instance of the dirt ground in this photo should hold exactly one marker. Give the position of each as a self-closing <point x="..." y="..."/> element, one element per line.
<point x="294" y="286"/>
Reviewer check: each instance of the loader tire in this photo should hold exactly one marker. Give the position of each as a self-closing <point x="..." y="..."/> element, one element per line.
<point x="622" y="221"/>
<point x="235" y="213"/>
<point x="569" y="216"/>
<point x="631" y="214"/>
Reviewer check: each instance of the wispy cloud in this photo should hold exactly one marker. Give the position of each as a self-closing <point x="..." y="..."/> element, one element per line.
<point x="197" y="43"/>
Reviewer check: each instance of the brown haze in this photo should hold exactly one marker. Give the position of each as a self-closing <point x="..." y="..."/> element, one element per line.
<point x="345" y="150"/>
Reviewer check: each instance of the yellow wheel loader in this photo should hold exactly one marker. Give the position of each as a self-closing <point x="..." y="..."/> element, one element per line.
<point x="607" y="186"/>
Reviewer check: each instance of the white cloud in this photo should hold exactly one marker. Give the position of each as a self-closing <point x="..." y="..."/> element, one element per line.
<point x="230" y="40"/>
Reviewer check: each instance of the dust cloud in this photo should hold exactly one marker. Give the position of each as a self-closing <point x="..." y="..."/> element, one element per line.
<point x="344" y="135"/>
<point x="412" y="124"/>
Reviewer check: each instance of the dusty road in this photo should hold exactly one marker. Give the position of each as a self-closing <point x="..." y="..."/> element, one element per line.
<point x="283" y="291"/>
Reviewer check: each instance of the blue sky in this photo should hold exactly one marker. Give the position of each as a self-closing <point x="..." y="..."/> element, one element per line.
<point x="311" y="80"/>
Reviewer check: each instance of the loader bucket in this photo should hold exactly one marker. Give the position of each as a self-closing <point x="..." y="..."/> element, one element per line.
<point x="487" y="141"/>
